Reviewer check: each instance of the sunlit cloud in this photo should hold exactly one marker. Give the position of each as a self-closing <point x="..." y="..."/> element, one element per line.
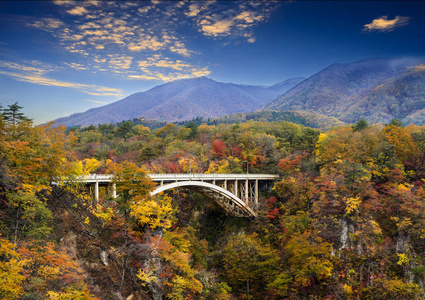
<point x="216" y="27"/>
<point x="64" y="2"/>
<point x="95" y="101"/>
<point x="180" y="48"/>
<point x="166" y="69"/>
<point x="78" y="11"/>
<point x="196" y="8"/>
<point x="149" y="43"/>
<point x="157" y="61"/>
<point x="34" y="67"/>
<point x="75" y="66"/>
<point x="123" y="37"/>
<point x="419" y="68"/>
<point x="216" y="21"/>
<point x="117" y="62"/>
<point x="384" y="25"/>
<point x="47" y="24"/>
<point x="35" y="72"/>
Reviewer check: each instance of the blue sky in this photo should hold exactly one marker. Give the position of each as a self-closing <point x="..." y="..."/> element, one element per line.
<point x="63" y="57"/>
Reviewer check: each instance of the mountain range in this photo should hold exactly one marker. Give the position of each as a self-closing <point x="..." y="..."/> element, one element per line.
<point x="377" y="90"/>
<point x="182" y="100"/>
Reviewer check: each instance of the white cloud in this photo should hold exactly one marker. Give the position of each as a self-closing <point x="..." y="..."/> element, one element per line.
<point x="235" y="19"/>
<point x="95" y="101"/>
<point x="75" y="66"/>
<point x="120" y="62"/>
<point x="382" y="24"/>
<point x="166" y="69"/>
<point x="34" y="67"/>
<point x="47" y="24"/>
<point x="136" y="31"/>
<point x="419" y="68"/>
<point x="40" y="80"/>
<point x="35" y="71"/>
<point x="78" y="11"/>
<point x="216" y="27"/>
<point x="194" y="10"/>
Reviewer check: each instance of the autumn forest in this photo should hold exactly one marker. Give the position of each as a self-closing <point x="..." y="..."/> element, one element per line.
<point x="346" y="219"/>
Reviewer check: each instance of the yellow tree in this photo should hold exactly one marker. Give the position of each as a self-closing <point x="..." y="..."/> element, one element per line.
<point x="10" y="271"/>
<point x="404" y="145"/>
<point x="249" y="264"/>
<point x="134" y="199"/>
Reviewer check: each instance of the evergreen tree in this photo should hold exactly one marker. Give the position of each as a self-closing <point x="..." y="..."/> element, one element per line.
<point x="13" y="114"/>
<point x="360" y="125"/>
<point x="396" y="122"/>
<point x="194" y="130"/>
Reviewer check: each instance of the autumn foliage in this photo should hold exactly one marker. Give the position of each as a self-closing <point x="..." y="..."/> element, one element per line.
<point x="345" y="221"/>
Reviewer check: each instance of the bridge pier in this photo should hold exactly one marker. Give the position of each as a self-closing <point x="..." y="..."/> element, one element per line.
<point x="96" y="191"/>
<point x="246" y="191"/>
<point x="256" y="193"/>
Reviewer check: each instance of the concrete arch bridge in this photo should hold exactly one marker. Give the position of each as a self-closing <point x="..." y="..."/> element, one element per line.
<point x="237" y="194"/>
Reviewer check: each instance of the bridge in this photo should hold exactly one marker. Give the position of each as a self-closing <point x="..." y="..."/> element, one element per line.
<point x="237" y="194"/>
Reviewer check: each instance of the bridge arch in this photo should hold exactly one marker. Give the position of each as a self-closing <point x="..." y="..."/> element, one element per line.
<point x="231" y="203"/>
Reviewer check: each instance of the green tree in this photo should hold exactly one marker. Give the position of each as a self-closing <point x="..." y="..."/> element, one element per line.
<point x="124" y="130"/>
<point x="360" y="125"/>
<point x="194" y="130"/>
<point x="396" y="123"/>
<point x="13" y="114"/>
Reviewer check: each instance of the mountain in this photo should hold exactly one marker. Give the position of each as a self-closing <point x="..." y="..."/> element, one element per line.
<point x="304" y="118"/>
<point x="377" y="90"/>
<point x="183" y="100"/>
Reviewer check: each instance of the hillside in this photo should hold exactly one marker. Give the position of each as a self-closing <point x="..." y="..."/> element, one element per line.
<point x="183" y="100"/>
<point x="304" y="118"/>
<point x="345" y="219"/>
<point x="378" y="90"/>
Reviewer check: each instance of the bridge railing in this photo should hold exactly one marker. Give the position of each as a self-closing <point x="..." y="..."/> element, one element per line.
<point x="179" y="176"/>
<point x="212" y="176"/>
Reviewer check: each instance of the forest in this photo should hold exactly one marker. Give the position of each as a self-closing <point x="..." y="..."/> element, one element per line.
<point x="346" y="219"/>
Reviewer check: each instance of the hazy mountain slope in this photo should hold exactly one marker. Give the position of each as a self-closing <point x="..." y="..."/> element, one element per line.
<point x="377" y="90"/>
<point x="304" y="118"/>
<point x="183" y="100"/>
<point x="401" y="97"/>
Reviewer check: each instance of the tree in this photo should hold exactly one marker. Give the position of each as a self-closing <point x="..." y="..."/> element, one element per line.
<point x="360" y="125"/>
<point x="249" y="264"/>
<point x="396" y="122"/>
<point x="11" y="267"/>
<point x="194" y="130"/>
<point x="13" y="114"/>
<point x="309" y="266"/>
<point x="133" y="184"/>
<point x="219" y="148"/>
<point x="51" y="271"/>
<point x="124" y="130"/>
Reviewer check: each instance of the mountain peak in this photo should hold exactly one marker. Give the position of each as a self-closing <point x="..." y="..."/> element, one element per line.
<point x="181" y="100"/>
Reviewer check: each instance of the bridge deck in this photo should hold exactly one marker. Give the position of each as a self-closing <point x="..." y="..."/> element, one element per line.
<point x="186" y="177"/>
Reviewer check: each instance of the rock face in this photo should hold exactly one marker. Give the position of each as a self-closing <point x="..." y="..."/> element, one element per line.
<point x="183" y="100"/>
<point x="377" y="90"/>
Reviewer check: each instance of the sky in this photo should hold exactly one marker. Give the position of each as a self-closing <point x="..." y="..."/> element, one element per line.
<point x="62" y="57"/>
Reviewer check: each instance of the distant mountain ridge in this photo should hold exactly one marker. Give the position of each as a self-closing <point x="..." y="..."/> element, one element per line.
<point x="183" y="100"/>
<point x="377" y="90"/>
